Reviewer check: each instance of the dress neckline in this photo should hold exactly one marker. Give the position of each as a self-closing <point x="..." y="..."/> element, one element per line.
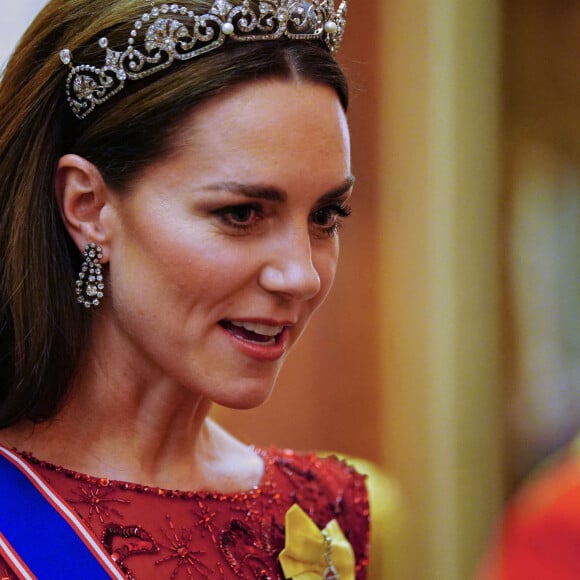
<point x="265" y="482"/>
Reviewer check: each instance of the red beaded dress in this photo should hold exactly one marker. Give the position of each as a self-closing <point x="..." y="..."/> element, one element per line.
<point x="154" y="533"/>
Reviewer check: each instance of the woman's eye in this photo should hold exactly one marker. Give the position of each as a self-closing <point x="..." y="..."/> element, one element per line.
<point x="240" y="216"/>
<point x="330" y="218"/>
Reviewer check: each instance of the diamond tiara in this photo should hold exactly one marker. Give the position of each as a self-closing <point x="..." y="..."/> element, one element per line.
<point x="173" y="32"/>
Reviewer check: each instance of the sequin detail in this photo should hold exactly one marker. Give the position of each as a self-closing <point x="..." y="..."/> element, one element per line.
<point x="153" y="532"/>
<point x="99" y="501"/>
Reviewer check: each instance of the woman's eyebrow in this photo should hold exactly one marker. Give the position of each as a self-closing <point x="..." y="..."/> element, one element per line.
<point x="339" y="191"/>
<point x="257" y="191"/>
<point x="272" y="193"/>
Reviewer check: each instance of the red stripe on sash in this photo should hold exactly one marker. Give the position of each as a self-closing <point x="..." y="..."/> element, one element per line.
<point x="66" y="513"/>
<point x="16" y="563"/>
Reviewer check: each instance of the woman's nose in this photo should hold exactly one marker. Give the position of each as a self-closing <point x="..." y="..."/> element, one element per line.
<point x="289" y="269"/>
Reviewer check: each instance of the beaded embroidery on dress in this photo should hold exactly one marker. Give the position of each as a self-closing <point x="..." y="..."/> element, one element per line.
<point x="157" y="533"/>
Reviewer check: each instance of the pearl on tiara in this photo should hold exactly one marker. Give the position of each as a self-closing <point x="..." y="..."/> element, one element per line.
<point x="331" y="27"/>
<point x="170" y="33"/>
<point x="228" y="28"/>
<point x="65" y="56"/>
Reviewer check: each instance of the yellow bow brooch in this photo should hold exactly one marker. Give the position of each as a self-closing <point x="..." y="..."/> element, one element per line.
<point x="312" y="554"/>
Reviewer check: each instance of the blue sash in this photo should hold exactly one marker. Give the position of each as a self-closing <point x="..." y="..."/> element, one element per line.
<point x="40" y="536"/>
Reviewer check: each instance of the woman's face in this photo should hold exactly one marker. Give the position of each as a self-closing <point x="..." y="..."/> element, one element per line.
<point x="221" y="252"/>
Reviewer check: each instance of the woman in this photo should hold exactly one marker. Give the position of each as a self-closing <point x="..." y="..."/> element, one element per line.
<point x="189" y="166"/>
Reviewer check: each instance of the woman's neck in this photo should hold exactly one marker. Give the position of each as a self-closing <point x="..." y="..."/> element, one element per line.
<point x="125" y="419"/>
<point x="155" y="435"/>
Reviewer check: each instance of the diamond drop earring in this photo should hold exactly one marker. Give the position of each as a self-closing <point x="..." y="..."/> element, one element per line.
<point x="89" y="285"/>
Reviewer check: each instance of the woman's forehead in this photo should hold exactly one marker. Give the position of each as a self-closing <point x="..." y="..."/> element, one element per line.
<point x="279" y="122"/>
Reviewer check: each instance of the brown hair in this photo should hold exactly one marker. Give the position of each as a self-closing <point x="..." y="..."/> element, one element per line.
<point x="42" y="328"/>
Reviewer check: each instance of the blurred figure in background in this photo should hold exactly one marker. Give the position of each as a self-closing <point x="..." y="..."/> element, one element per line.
<point x="539" y="537"/>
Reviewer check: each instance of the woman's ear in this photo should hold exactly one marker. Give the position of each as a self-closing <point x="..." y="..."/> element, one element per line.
<point x="83" y="199"/>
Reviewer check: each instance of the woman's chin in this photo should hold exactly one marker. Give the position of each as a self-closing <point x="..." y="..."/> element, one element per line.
<point x="247" y="398"/>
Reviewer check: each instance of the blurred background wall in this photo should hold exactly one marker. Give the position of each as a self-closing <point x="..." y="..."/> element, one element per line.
<point x="448" y="353"/>
<point x="540" y="213"/>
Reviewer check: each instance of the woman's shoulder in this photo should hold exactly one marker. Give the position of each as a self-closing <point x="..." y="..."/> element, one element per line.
<point x="319" y="483"/>
<point x="311" y="466"/>
<point x="327" y="488"/>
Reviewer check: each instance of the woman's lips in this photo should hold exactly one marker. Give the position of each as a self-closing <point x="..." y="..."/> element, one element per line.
<point x="258" y="340"/>
<point x="253" y="331"/>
